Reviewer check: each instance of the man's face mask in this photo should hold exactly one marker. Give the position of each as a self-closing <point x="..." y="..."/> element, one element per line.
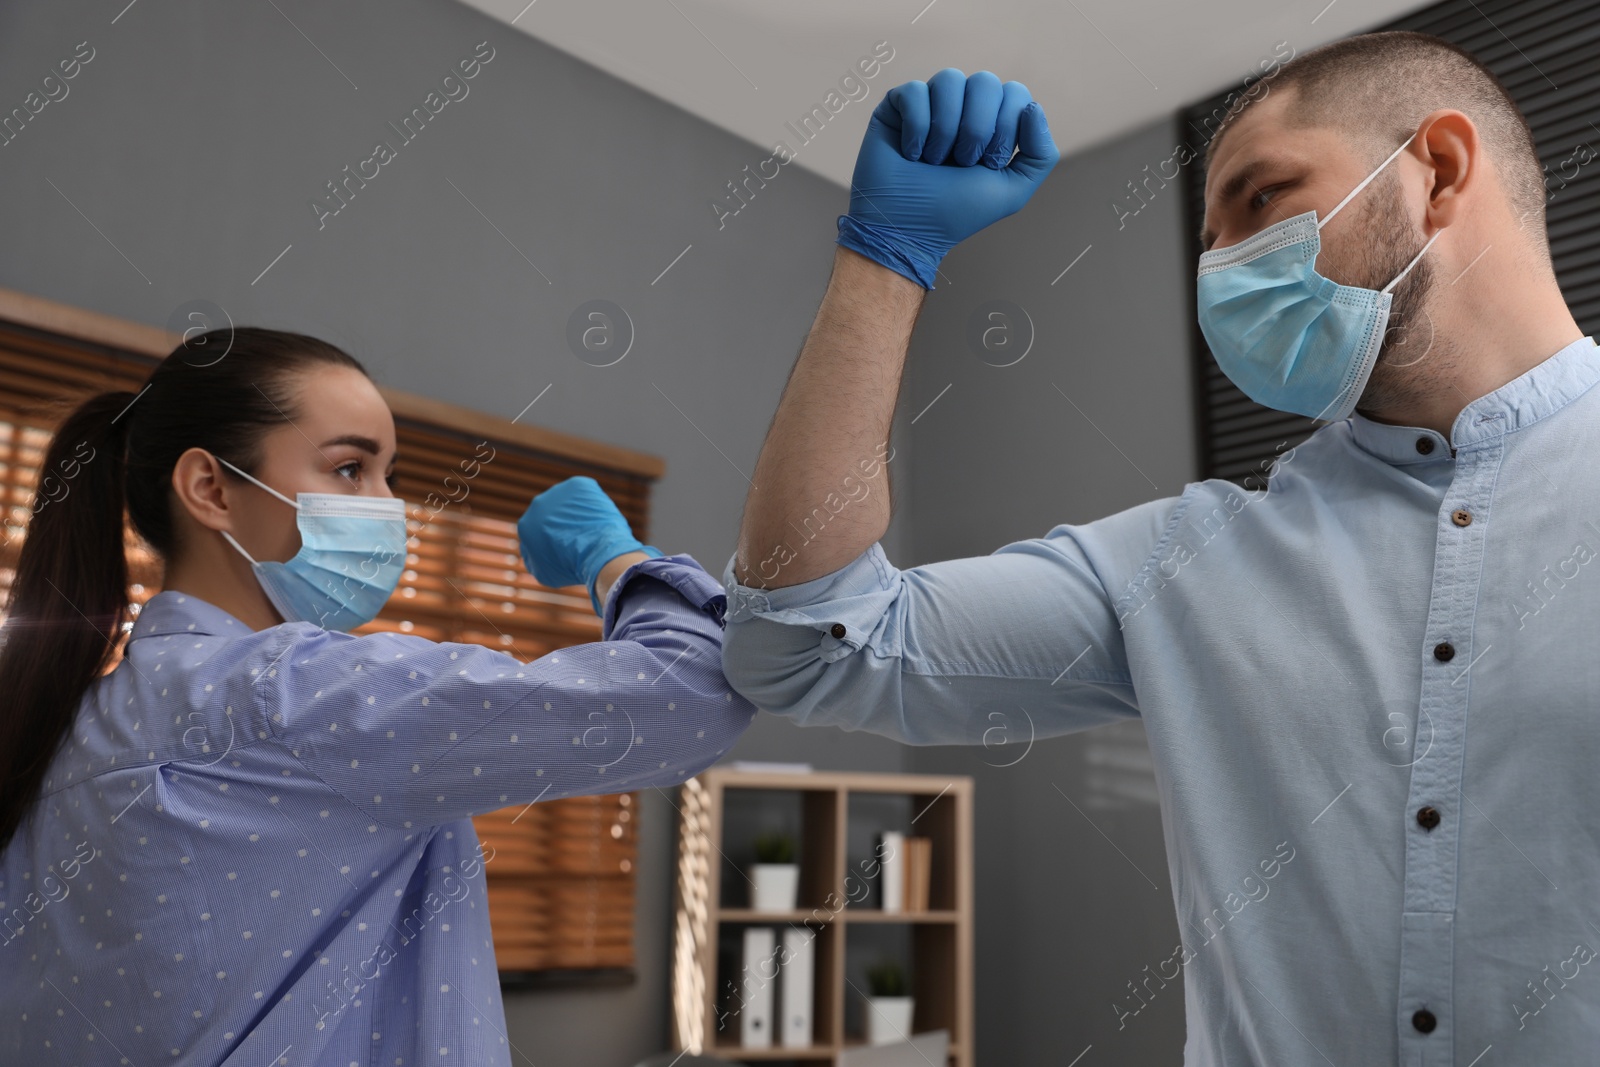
<point x="1285" y="335"/>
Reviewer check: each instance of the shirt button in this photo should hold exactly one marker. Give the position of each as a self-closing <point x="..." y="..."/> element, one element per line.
<point x="838" y="630"/>
<point x="1461" y="517"/>
<point x="1444" y="651"/>
<point x="1428" y="817"/>
<point x="1425" y="445"/>
<point x="1424" y="1021"/>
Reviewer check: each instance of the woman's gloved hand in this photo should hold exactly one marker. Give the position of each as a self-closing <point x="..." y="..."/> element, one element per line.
<point x="572" y="530"/>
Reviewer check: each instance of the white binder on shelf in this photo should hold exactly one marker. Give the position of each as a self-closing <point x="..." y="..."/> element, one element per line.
<point x="760" y="972"/>
<point x="798" y="945"/>
<point x="892" y="861"/>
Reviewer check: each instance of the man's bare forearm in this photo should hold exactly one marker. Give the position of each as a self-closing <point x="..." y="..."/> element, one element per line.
<point x="814" y="506"/>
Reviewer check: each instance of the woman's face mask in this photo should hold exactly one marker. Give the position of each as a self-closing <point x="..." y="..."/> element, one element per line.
<point x="352" y="553"/>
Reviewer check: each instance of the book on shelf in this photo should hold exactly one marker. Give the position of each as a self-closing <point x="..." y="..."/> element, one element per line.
<point x="755" y="1012"/>
<point x="907" y="872"/>
<point x="798" y="979"/>
<point x="918" y="873"/>
<point x="892" y="870"/>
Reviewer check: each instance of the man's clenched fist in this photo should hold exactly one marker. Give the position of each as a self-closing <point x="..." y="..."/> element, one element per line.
<point x="935" y="167"/>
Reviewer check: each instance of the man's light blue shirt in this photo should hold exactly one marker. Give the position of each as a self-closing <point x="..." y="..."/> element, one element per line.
<point x="1371" y="688"/>
<point x="255" y="848"/>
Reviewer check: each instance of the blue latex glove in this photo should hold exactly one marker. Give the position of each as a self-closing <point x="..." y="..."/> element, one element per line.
<point x="917" y="192"/>
<point x="572" y="530"/>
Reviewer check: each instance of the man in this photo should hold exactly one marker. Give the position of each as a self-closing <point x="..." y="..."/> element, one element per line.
<point x="1372" y="682"/>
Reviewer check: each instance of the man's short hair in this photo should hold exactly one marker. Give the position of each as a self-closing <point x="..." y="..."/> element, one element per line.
<point x="1376" y="87"/>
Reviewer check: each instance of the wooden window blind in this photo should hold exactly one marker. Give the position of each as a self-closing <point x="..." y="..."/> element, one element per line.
<point x="1542" y="51"/>
<point x="561" y="874"/>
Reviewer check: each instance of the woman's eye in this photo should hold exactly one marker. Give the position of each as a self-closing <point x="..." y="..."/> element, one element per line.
<point x="353" y="465"/>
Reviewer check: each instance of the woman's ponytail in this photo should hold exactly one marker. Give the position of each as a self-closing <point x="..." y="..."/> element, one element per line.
<point x="116" y="453"/>
<point x="69" y="596"/>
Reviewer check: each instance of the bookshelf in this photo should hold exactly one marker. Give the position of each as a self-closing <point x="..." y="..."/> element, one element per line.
<point x="834" y="817"/>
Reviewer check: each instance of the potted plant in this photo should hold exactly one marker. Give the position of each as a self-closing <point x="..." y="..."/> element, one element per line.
<point x="775" y="877"/>
<point x="889" y="1007"/>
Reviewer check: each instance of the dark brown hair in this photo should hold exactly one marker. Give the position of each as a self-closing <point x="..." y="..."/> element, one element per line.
<point x="69" y="606"/>
<point x="1376" y="87"/>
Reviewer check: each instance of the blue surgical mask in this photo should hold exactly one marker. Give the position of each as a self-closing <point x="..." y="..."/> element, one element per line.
<point x="352" y="553"/>
<point x="1285" y="335"/>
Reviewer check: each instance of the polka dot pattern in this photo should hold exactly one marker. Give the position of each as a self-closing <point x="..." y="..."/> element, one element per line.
<point x="252" y="835"/>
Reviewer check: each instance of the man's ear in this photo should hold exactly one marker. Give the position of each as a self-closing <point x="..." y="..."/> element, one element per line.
<point x="1453" y="155"/>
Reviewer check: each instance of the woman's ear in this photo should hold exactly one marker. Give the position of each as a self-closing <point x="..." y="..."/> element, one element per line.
<point x="198" y="484"/>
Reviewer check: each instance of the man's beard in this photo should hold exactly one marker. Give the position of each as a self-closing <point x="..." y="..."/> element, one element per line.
<point x="1414" y="357"/>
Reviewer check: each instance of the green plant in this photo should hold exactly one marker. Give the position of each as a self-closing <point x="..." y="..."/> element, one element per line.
<point x="887" y="980"/>
<point x="775" y="848"/>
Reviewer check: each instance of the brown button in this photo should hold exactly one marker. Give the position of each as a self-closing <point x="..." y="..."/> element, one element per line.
<point x="1425" y="445"/>
<point x="1444" y="651"/>
<point x="1424" y="1021"/>
<point x="1461" y="517"/>
<point x="838" y="630"/>
<point x="1428" y="817"/>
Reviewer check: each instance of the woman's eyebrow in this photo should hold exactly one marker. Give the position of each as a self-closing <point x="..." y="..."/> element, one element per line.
<point x="366" y="444"/>
<point x="361" y="441"/>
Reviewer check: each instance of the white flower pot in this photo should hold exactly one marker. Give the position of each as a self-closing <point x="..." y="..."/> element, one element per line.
<point x="776" y="886"/>
<point x="888" y="1019"/>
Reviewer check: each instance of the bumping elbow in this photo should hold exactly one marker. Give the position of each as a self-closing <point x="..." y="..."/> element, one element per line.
<point x="774" y="667"/>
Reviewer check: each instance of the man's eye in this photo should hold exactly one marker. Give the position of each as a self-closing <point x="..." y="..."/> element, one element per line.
<point x="1259" y="200"/>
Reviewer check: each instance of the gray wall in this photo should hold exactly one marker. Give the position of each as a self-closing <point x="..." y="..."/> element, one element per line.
<point x="183" y="160"/>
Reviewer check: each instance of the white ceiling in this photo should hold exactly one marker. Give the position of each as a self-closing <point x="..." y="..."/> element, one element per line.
<point x="1100" y="67"/>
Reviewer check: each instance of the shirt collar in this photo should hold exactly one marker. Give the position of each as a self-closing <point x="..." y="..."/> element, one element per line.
<point x="1539" y="391"/>
<point x="172" y="612"/>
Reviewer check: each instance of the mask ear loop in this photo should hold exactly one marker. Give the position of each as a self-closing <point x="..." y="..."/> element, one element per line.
<point x="259" y="482"/>
<point x="238" y="546"/>
<point x="1364" y="182"/>
<point x="1413" y="262"/>
<point x="263" y="485"/>
<point x="1391" y="285"/>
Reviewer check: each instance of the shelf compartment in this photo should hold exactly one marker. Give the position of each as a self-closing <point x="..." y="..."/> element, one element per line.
<point x="810" y="816"/>
<point x="934" y="814"/>
<point x="724" y="1031"/>
<point x="930" y="955"/>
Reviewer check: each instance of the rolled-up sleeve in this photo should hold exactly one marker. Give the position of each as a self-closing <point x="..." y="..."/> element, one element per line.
<point x="1022" y="643"/>
<point x="416" y="731"/>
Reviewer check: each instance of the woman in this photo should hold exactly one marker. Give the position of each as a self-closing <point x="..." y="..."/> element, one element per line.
<point x="250" y="842"/>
